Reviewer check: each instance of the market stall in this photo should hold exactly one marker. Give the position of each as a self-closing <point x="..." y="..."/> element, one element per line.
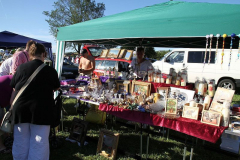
<point x="171" y="24"/>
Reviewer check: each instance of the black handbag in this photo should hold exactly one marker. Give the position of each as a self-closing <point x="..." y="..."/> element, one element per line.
<point x="7" y="123"/>
<point x="56" y="118"/>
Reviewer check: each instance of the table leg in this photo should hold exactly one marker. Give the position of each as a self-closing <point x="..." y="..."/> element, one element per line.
<point x="62" y="119"/>
<point x="147" y="142"/>
<point x="191" y="155"/>
<point x="167" y="133"/>
<point x="184" y="153"/>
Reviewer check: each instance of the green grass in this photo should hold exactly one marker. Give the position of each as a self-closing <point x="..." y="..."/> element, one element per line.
<point x="129" y="142"/>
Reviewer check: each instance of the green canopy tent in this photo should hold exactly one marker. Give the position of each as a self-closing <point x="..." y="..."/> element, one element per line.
<point x="170" y="24"/>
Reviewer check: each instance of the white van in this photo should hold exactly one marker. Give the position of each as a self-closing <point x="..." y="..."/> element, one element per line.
<point x="225" y="75"/>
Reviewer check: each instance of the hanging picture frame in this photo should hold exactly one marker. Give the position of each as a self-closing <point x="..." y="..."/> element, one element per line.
<point x="122" y="53"/>
<point x="107" y="144"/>
<point x="104" y="53"/>
<point x="128" y="55"/>
<point x="113" y="53"/>
<point x="78" y="130"/>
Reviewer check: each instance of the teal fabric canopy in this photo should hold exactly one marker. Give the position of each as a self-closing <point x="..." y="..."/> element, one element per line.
<point x="169" y="24"/>
<point x="173" y="24"/>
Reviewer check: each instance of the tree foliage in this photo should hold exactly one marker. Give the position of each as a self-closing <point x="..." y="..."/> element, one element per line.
<point x="160" y="54"/>
<point x="69" y="12"/>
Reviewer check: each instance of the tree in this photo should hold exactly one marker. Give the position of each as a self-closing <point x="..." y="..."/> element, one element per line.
<point x="69" y="12"/>
<point x="160" y="54"/>
<point x="150" y="52"/>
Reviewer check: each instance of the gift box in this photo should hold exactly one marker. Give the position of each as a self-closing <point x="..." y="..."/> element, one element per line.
<point x="68" y="81"/>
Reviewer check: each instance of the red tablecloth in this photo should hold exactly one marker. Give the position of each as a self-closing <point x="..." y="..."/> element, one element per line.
<point x="188" y="126"/>
<point x="154" y="86"/>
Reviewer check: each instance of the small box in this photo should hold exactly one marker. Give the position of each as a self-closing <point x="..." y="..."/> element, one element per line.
<point x="230" y="142"/>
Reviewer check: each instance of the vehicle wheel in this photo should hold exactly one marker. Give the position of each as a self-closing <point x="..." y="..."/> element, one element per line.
<point x="227" y="83"/>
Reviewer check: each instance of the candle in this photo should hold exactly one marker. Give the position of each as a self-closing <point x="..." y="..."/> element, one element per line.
<point x="211" y="89"/>
<point x="192" y="103"/>
<point x="206" y="102"/>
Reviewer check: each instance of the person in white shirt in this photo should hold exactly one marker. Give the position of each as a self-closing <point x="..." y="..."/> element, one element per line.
<point x="7" y="54"/>
<point x="5" y="68"/>
<point x="140" y="63"/>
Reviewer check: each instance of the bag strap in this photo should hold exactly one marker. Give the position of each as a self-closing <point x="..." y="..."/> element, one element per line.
<point x="27" y="83"/>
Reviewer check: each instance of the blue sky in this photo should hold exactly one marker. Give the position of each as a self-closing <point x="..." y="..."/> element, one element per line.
<point x="25" y="17"/>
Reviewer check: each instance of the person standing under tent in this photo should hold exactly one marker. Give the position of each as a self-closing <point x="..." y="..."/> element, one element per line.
<point x="140" y="63"/>
<point x="86" y="64"/>
<point x="21" y="57"/>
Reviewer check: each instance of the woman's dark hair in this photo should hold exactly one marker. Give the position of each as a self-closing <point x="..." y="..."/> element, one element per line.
<point x="36" y="49"/>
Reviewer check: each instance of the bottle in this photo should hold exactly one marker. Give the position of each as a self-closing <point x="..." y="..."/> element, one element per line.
<point x="225" y="113"/>
<point x="155" y="76"/>
<point x="196" y="86"/>
<point x="158" y="76"/>
<point x="178" y="81"/>
<point x="174" y="77"/>
<point x="211" y="88"/>
<point x="196" y="99"/>
<point x="201" y="88"/>
<point x="150" y="74"/>
<point x="205" y="87"/>
<point x="162" y="79"/>
<point x="169" y="79"/>
<point x="183" y="78"/>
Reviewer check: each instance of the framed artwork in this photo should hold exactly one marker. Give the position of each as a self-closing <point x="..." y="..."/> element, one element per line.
<point x="190" y="112"/>
<point x="141" y="87"/>
<point x="78" y="130"/>
<point x="107" y="144"/>
<point x="171" y="106"/>
<point x="128" y="54"/>
<point x="113" y="53"/>
<point x="104" y="53"/>
<point x="223" y="94"/>
<point x="215" y="106"/>
<point x="127" y="86"/>
<point x="211" y="117"/>
<point x="122" y="53"/>
<point x="163" y="91"/>
<point x="182" y="95"/>
<point x="120" y="86"/>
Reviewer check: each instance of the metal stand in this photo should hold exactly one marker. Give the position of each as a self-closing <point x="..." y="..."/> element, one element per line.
<point x="147" y="142"/>
<point x="141" y="142"/>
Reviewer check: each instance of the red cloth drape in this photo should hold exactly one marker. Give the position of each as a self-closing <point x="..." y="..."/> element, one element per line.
<point x="188" y="126"/>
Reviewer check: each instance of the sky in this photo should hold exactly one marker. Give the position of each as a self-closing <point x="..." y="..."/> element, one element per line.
<point x="25" y="17"/>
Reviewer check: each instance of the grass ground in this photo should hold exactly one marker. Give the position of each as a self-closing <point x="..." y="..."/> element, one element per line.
<point x="129" y="142"/>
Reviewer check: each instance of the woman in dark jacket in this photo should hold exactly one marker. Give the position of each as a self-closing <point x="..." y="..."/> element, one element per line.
<point x="33" y="110"/>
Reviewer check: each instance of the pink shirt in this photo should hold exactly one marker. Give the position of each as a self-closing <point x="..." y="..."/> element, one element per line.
<point x="19" y="58"/>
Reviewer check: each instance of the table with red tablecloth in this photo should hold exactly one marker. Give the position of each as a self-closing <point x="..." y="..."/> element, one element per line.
<point x="188" y="126"/>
